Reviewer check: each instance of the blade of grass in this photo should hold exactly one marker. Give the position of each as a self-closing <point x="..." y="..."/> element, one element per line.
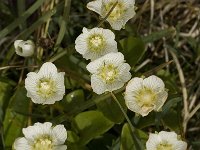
<point x="158" y="35"/>
<point x="21" y="6"/>
<point x="21" y="19"/>
<point x="64" y="22"/>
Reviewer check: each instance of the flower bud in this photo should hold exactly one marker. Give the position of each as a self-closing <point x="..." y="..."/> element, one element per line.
<point x="24" y="48"/>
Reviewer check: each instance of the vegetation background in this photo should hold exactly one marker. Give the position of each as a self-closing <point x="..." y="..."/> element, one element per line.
<point x="162" y="39"/>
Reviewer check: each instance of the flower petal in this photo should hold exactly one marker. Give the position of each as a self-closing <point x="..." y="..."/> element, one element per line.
<point x="134" y="85"/>
<point x="153" y="141"/>
<point x="59" y="134"/>
<point x="48" y="69"/>
<point x="114" y="58"/>
<point x="21" y="144"/>
<point x="161" y="98"/>
<point x="97" y="84"/>
<point x="93" y="66"/>
<point x="155" y="83"/>
<point x="32" y="132"/>
<point x="180" y="145"/>
<point x="95" y="6"/>
<point x="132" y="104"/>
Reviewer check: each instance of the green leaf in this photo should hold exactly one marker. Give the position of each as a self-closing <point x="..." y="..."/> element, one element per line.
<point x="5" y="89"/>
<point x="89" y="125"/>
<point x="72" y="137"/>
<point x="146" y="121"/>
<point x="127" y="140"/>
<point x="72" y="140"/>
<point x="14" y="122"/>
<point x="74" y="99"/>
<point x="133" y="49"/>
<point x="171" y="120"/>
<point x="169" y="104"/>
<point x="111" y="110"/>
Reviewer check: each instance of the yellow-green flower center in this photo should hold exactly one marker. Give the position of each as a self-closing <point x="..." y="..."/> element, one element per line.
<point x="164" y="146"/>
<point x="96" y="42"/>
<point x="108" y="73"/>
<point x="43" y="143"/>
<point x="46" y="87"/>
<point x="146" y="98"/>
<point x="116" y="13"/>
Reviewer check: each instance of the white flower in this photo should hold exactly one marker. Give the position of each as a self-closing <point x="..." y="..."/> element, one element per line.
<point x="24" y="48"/>
<point x="144" y="95"/>
<point x="46" y="86"/>
<point x="123" y="11"/>
<point x="109" y="72"/>
<point x="96" y="42"/>
<point x="42" y="136"/>
<point x="165" y="141"/>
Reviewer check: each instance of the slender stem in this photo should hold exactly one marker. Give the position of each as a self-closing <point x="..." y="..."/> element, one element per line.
<point x="140" y="145"/>
<point x="30" y="112"/>
<point x="124" y="113"/>
<point x="108" y="14"/>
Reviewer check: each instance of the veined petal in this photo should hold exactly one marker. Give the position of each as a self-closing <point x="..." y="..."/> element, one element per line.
<point x="95" y="6"/>
<point x="114" y="58"/>
<point x="32" y="132"/>
<point x="114" y="86"/>
<point x="153" y="142"/>
<point x="116" y="25"/>
<point x="124" y="72"/>
<point x="169" y="136"/>
<point x="93" y="66"/>
<point x="161" y="98"/>
<point x="128" y="3"/>
<point x="97" y="84"/>
<point x="48" y="69"/>
<point x="132" y="104"/>
<point x="155" y="83"/>
<point x="134" y="85"/>
<point x="21" y="144"/>
<point x="59" y="134"/>
<point x="180" y="145"/>
<point x="81" y="43"/>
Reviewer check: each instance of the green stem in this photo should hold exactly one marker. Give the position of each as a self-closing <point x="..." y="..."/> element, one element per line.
<point x="139" y="144"/>
<point x="110" y="11"/>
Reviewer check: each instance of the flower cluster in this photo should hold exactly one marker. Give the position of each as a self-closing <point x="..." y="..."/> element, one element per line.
<point x="109" y="72"/>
